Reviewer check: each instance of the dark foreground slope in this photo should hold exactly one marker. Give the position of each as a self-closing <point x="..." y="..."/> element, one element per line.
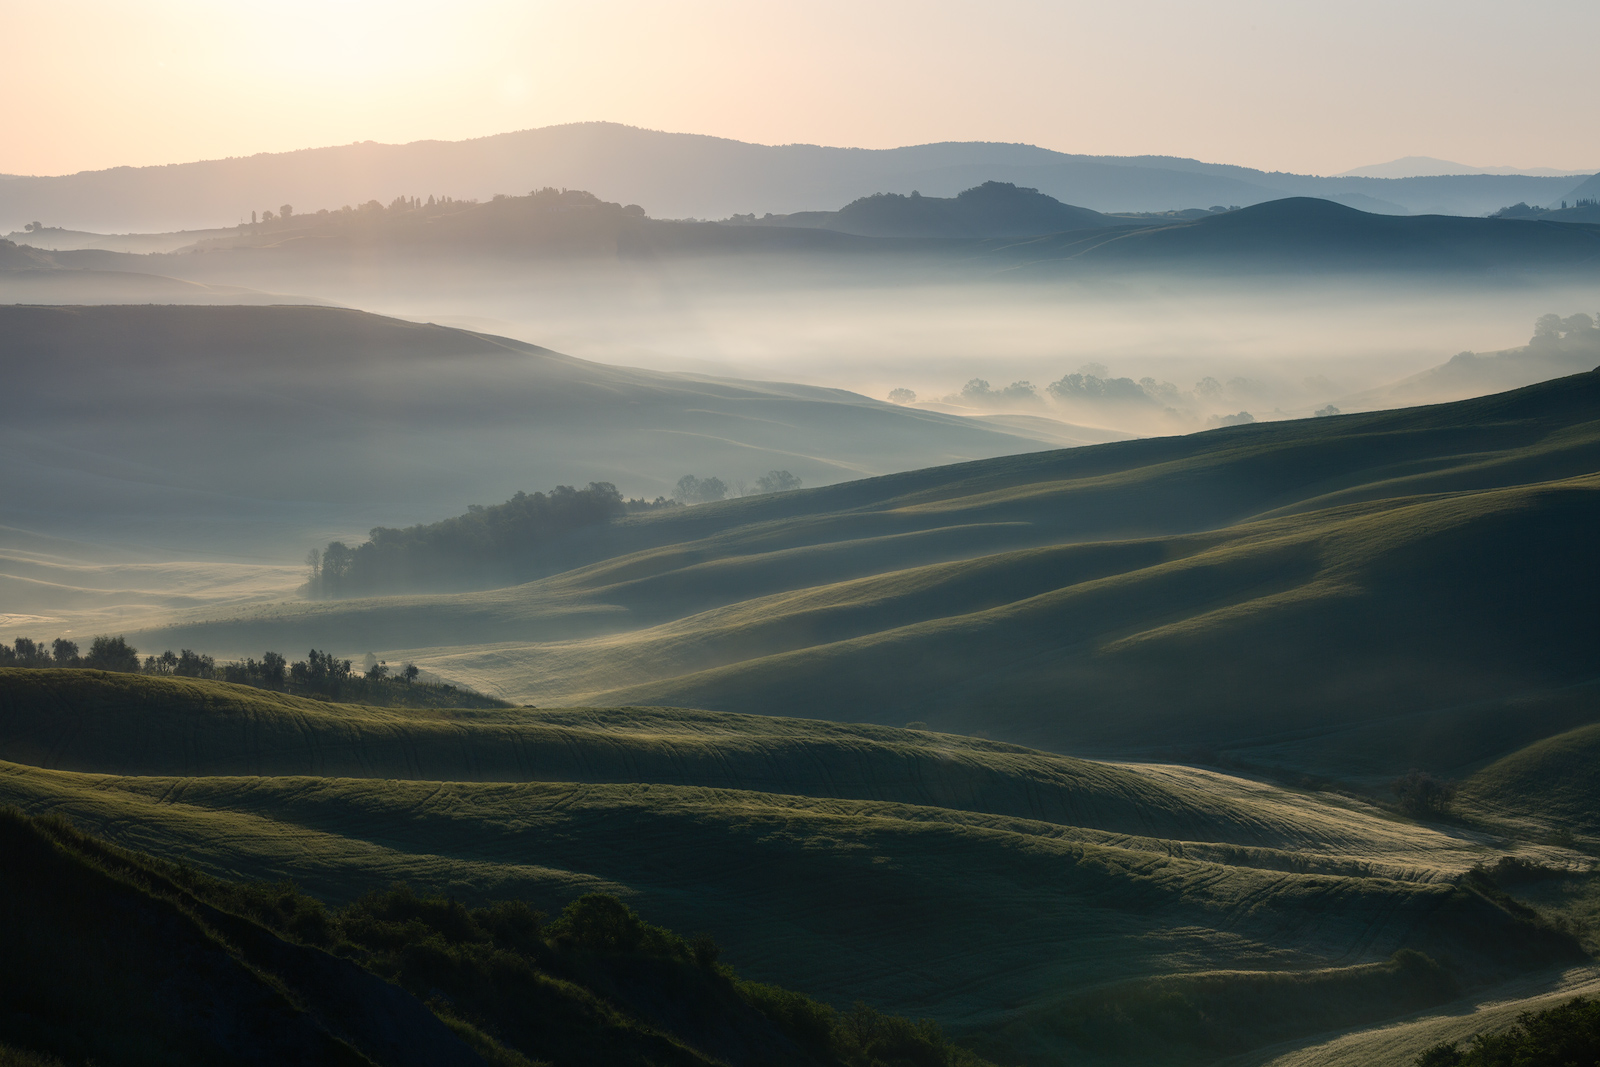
<point x="1046" y="909"/>
<point x="1260" y="588"/>
<point x="117" y="958"/>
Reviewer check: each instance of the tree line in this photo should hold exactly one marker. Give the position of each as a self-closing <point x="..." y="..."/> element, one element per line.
<point x="524" y="538"/>
<point x="692" y="489"/>
<point x="320" y="674"/>
<point x="513" y="539"/>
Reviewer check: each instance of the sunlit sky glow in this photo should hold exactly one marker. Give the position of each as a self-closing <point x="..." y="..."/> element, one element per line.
<point x="1309" y="87"/>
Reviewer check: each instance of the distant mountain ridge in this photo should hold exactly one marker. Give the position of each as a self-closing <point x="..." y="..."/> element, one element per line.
<point x="1430" y="167"/>
<point x="994" y="228"/>
<point x="691" y="175"/>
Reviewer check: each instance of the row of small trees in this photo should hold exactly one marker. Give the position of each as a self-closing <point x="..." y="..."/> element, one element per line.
<point x="523" y="538"/>
<point x="492" y="541"/>
<point x="695" y="490"/>
<point x="319" y="674"/>
<point x="105" y="653"/>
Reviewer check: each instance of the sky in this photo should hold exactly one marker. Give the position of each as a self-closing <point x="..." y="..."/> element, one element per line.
<point x="1312" y="87"/>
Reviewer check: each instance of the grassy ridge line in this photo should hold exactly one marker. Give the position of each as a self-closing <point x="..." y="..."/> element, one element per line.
<point x="1550" y="785"/>
<point x="963" y="919"/>
<point x="1439" y="580"/>
<point x="1270" y="621"/>
<point x="1398" y="1043"/>
<point x="130" y="724"/>
<point x="1157" y="486"/>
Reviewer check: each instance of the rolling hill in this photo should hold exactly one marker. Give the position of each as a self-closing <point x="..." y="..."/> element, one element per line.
<point x="989" y="230"/>
<point x="1258" y="592"/>
<point x="1025" y="900"/>
<point x="685" y="175"/>
<point x="993" y="209"/>
<point x="324" y="422"/>
<point x="29" y="275"/>
<point x="1307" y="234"/>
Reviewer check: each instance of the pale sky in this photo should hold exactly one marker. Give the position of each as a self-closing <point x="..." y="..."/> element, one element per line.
<point x="1278" y="84"/>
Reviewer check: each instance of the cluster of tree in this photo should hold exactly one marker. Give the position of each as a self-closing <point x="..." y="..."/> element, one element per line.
<point x="1579" y="327"/>
<point x="494" y="965"/>
<point x="1095" y="389"/>
<point x="523" y="538"/>
<point x="1522" y="210"/>
<point x="978" y="391"/>
<point x="1093" y="384"/>
<point x="285" y="218"/>
<point x="1563" y="1036"/>
<point x="1421" y="795"/>
<point x="105" y="654"/>
<point x="695" y="490"/>
<point x="571" y="211"/>
<point x="320" y="674"/>
<point x="516" y="539"/>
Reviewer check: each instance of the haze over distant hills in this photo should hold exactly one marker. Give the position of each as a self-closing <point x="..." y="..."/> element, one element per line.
<point x="1428" y="166"/>
<point x="989" y="229"/>
<point x="327" y="416"/>
<point x="689" y="175"/>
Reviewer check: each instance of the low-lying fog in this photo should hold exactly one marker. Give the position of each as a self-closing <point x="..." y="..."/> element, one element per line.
<point x="1274" y="347"/>
<point x="248" y="466"/>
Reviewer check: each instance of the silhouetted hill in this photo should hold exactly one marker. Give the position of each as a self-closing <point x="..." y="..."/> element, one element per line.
<point x="115" y="957"/>
<point x="683" y="175"/>
<point x="555" y="223"/>
<point x="1305" y="234"/>
<point x="993" y="209"/>
<point x="1297" y="235"/>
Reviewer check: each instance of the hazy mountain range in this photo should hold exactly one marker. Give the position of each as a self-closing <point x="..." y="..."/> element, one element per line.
<point x="1428" y="166"/>
<point x="689" y="175"/>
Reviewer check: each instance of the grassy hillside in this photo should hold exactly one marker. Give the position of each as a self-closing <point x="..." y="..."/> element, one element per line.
<point x="1023" y="899"/>
<point x="1261" y="589"/>
<point x="1549" y="786"/>
<point x="137" y="725"/>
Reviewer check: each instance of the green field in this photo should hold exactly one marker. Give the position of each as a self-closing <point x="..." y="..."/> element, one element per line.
<point x="1023" y="899"/>
<point x="846" y="732"/>
<point x="1270" y="594"/>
